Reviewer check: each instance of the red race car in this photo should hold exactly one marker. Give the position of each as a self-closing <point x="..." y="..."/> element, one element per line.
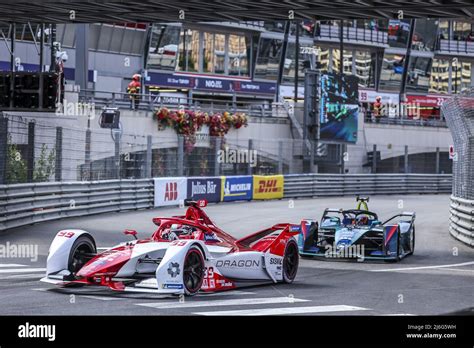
<point x="184" y="255"/>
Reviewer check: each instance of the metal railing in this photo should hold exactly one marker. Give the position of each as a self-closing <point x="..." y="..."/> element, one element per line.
<point x="371" y="36"/>
<point x="24" y="204"/>
<point x="455" y="46"/>
<point x="323" y="185"/>
<point x="461" y="224"/>
<point x="405" y="121"/>
<point x="151" y="102"/>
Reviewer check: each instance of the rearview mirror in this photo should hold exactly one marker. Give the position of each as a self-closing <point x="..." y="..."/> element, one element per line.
<point x="131" y="232"/>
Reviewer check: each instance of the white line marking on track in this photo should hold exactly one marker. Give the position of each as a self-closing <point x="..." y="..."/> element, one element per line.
<point x="287" y="310"/>
<point x="422" y="267"/>
<point x="2" y="265"/>
<point x="22" y="276"/>
<point x="22" y="270"/>
<point x="233" y="302"/>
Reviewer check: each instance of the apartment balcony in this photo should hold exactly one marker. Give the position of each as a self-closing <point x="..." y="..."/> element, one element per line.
<point x="455" y="47"/>
<point x="352" y="35"/>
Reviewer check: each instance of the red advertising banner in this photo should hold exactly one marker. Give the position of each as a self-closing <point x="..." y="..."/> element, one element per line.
<point x="427" y="100"/>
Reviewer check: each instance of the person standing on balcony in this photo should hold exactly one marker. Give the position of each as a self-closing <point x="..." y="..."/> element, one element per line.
<point x="133" y="90"/>
<point x="378" y="108"/>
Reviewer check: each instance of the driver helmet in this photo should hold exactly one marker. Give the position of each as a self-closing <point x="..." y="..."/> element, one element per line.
<point x="362" y="220"/>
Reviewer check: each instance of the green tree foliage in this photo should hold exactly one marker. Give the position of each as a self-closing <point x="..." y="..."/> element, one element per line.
<point x="16" y="165"/>
<point x="45" y="165"/>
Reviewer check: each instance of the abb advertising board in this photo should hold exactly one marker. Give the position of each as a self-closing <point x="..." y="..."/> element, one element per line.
<point x="170" y="191"/>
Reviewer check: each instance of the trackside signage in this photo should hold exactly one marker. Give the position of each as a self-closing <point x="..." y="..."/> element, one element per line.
<point x="268" y="187"/>
<point x="208" y="188"/>
<point x="236" y="188"/>
<point x="170" y="191"/>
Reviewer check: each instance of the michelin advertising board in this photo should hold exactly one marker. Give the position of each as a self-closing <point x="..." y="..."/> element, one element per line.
<point x="236" y="188"/>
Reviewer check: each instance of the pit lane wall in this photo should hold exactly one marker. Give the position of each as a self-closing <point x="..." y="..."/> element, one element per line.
<point x="25" y="204"/>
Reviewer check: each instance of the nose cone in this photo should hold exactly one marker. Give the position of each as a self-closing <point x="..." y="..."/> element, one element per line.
<point x="108" y="263"/>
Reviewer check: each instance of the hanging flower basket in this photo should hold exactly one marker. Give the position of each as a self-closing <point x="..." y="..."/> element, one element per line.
<point x="187" y="123"/>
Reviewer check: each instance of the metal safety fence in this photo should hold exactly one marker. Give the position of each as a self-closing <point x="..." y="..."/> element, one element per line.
<point x="323" y="185"/>
<point x="459" y="114"/>
<point x="25" y="204"/>
<point x="462" y="220"/>
<point x="34" y="149"/>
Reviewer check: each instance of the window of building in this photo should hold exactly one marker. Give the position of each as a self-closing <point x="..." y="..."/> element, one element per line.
<point x="419" y="74"/>
<point x="239" y="51"/>
<point x="391" y="72"/>
<point x="462" y="31"/>
<point x="372" y="24"/>
<point x="268" y="58"/>
<point x="219" y="53"/>
<point x="306" y="28"/>
<point x="208" y="52"/>
<point x="365" y="68"/>
<point x="461" y="76"/>
<point x="439" y="80"/>
<point x="398" y="33"/>
<point x="424" y="36"/>
<point x="275" y="26"/>
<point x="443" y="29"/>
<point x="163" y="49"/>
<point x="336" y="58"/>
<point x="308" y="55"/>
<point x="322" y="56"/>
<point x="189" y="50"/>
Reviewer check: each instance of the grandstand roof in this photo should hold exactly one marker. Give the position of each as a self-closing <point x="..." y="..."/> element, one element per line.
<point x="59" y="11"/>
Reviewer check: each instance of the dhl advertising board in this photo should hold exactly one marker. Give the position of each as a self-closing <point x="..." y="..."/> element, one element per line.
<point x="268" y="187"/>
<point x="236" y="188"/>
<point x="170" y="191"/>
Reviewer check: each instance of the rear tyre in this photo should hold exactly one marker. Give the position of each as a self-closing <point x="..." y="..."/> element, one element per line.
<point x="193" y="271"/>
<point x="81" y="252"/>
<point x="290" y="262"/>
<point x="412" y="241"/>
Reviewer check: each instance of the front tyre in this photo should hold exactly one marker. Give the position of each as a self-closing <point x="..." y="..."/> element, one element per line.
<point x="193" y="274"/>
<point x="290" y="262"/>
<point x="82" y="251"/>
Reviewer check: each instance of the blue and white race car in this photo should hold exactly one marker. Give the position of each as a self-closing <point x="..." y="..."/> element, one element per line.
<point x="358" y="234"/>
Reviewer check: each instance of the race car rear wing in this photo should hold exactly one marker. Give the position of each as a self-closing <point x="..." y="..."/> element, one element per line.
<point x="410" y="215"/>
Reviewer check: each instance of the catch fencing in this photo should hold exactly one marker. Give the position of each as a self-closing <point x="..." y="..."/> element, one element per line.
<point x="459" y="114"/>
<point x="25" y="204"/>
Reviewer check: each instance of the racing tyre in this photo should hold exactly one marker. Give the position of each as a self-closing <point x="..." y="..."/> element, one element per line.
<point x="193" y="271"/>
<point x="290" y="262"/>
<point x="412" y="242"/>
<point x="81" y="252"/>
